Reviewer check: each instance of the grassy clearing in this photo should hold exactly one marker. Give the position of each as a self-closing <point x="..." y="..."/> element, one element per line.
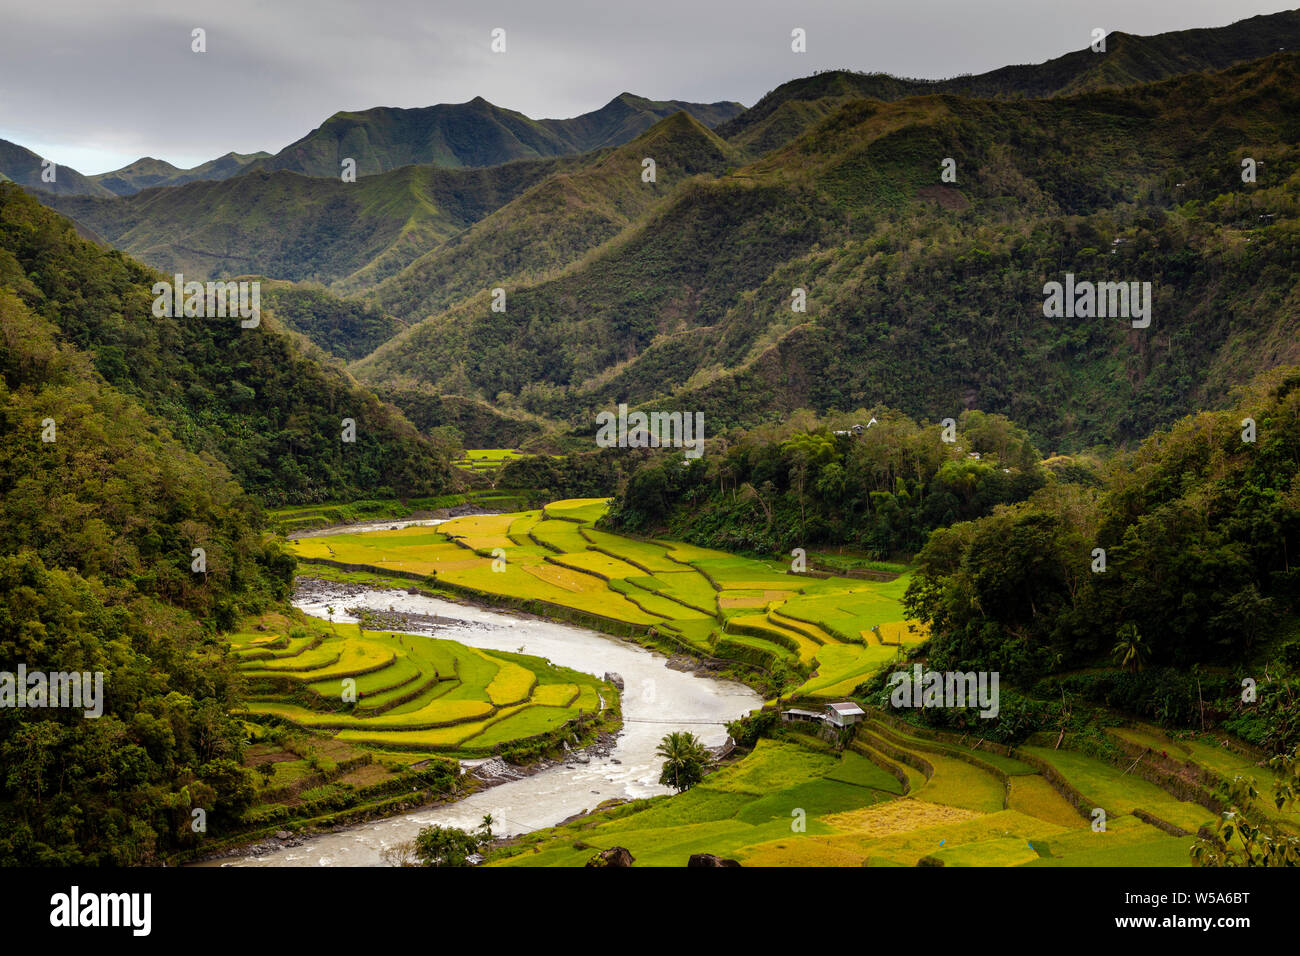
<point x="485" y="461"/>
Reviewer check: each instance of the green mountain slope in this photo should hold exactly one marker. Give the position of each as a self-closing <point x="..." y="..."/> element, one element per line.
<point x="101" y="508"/>
<point x="263" y="400"/>
<point x="476" y="133"/>
<point x="925" y="296"/>
<point x="294" y="227"/>
<point x="557" y="221"/>
<point x="346" y="328"/>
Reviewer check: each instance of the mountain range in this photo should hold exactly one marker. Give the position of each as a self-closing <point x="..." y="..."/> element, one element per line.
<point x="449" y="136"/>
<point x="922" y="295"/>
<point x="1123" y="165"/>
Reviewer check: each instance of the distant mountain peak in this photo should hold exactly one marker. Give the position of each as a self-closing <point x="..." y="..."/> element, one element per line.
<point x="476" y="133"/>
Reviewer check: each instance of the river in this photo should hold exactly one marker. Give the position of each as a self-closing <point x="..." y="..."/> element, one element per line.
<point x="656" y="700"/>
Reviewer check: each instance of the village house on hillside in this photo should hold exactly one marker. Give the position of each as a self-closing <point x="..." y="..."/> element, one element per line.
<point x="841" y="714"/>
<point x="844" y="714"/>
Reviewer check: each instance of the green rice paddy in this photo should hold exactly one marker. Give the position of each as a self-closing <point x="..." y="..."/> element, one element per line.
<point x="485" y="461"/>
<point x="402" y="691"/>
<point x="785" y="804"/>
<point x="829" y="633"/>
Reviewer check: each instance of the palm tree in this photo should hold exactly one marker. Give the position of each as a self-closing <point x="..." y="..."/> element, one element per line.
<point x="685" y="759"/>
<point x="1129" y="649"/>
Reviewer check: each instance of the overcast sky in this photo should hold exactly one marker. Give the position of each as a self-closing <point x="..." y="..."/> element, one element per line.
<point x="96" y="84"/>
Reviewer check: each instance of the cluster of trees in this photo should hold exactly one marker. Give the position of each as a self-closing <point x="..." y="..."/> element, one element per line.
<point x="812" y="482"/>
<point x="441" y="846"/>
<point x="685" y="760"/>
<point x="1185" y="555"/>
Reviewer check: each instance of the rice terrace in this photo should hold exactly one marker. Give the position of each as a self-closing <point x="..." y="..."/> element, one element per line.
<point x="750" y="436"/>
<point x="707" y="602"/>
<point x="888" y="793"/>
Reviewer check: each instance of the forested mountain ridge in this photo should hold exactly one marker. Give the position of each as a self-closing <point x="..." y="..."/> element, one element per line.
<point x="261" y="400"/>
<point x="288" y="226"/>
<point x="101" y="513"/>
<point x="557" y="221"/>
<point x="680" y="290"/>
<point x="923" y="295"/>
<point x="476" y="133"/>
<point x="1128" y="60"/>
<point x="147" y="172"/>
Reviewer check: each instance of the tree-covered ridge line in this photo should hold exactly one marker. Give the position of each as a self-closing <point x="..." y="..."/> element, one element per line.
<point x="262" y="400"/>
<point x="693" y="303"/>
<point x="1127" y="60"/>
<point x="873" y="481"/>
<point x="474" y="134"/>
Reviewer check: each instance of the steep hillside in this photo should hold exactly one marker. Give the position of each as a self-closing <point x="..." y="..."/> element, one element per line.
<point x="20" y="165"/>
<point x="922" y="295"/>
<point x="101" y="509"/>
<point x="294" y="227"/>
<point x="345" y="328"/>
<point x="261" y="400"/>
<point x="557" y="221"/>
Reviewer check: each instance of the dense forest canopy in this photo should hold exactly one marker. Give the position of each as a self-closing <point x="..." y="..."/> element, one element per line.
<point x="101" y="510"/>
<point x="809" y="483"/>
<point x="260" y="400"/>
